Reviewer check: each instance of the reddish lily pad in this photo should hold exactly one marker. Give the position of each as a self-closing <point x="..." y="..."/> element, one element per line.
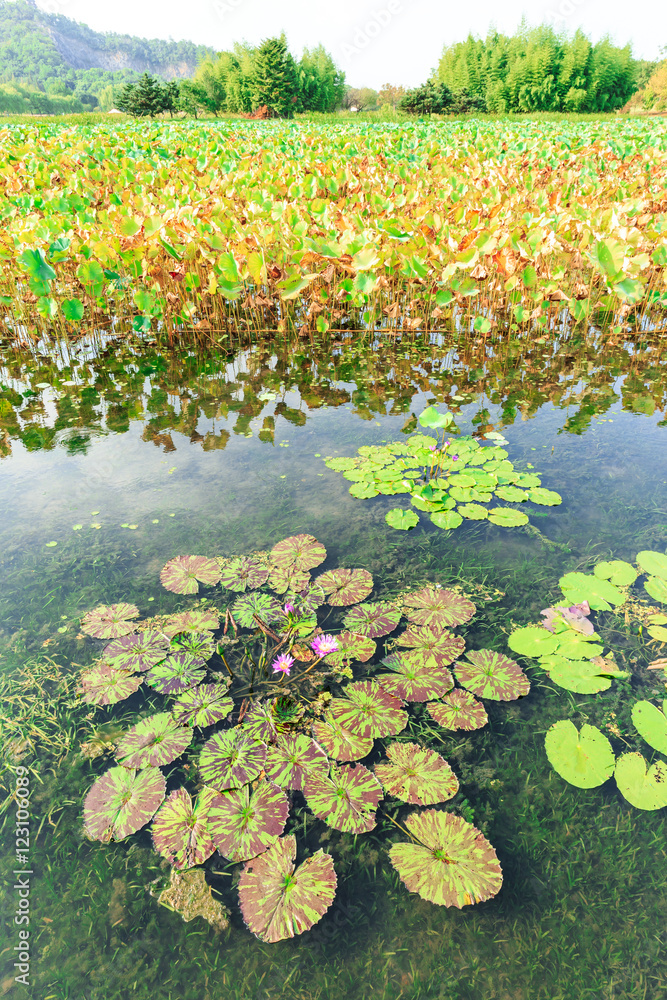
<point x="109" y="621"/>
<point x="293" y="759"/>
<point x="177" y="673"/>
<point x="452" y="864"/>
<point x="288" y="578"/>
<point x="201" y="644"/>
<point x="345" y="586"/>
<point x="264" y="606"/>
<point x="372" y="620"/>
<point x="199" y="620"/>
<point x="351" y="647"/>
<point x="458" y="710"/>
<point x="339" y="742"/>
<point x="347" y="800"/>
<point x="153" y="742"/>
<point x="491" y="675"/>
<point x="279" y="901"/>
<point x="413" y="680"/>
<point x="245" y="823"/>
<point x="260" y="723"/>
<point x="122" y="801"/>
<point x="369" y="711"/>
<point x="105" y="685"/>
<point x="416" y="775"/>
<point x="244" y="573"/>
<point x="183" y="574"/>
<point x="203" y="706"/>
<point x="180" y="828"/>
<point x="231" y="758"/>
<point x="438" y="608"/>
<point x="436" y="647"/>
<point x="303" y="552"/>
<point x="139" y="651"/>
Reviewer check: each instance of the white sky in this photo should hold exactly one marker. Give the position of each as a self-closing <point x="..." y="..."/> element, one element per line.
<point x="374" y="41"/>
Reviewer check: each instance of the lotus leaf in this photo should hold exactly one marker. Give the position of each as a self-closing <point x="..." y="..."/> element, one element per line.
<point x="350" y="647"/>
<point x="153" y="742"/>
<point x="585" y="758"/>
<point x="416" y="775"/>
<point x="347" y="800"/>
<point x="580" y="676"/>
<point x="340" y="464"/>
<point x="231" y="758"/>
<point x="244" y="573"/>
<point x="180" y="828"/>
<point x="345" y="586"/>
<point x="293" y="759"/>
<point x="201" y="619"/>
<point x="284" y="578"/>
<point x="106" y="685"/>
<point x="527" y="481"/>
<point x="401" y="519"/>
<point x="511" y="494"/>
<point x="200" y="644"/>
<point x="177" y="673"/>
<point x="488" y="674"/>
<point x="656" y="588"/>
<point x="507" y="518"/>
<point x="644" y="788"/>
<point x="651" y="724"/>
<point x="302" y="552"/>
<point x="279" y="900"/>
<point x="657" y="632"/>
<point x="600" y="594"/>
<point x="368" y="710"/>
<point x="431" y="417"/>
<point x="372" y="620"/>
<point x="438" y="608"/>
<point x="203" y="706"/>
<point x="447" y="519"/>
<point x="122" y="801"/>
<point x="653" y="563"/>
<point x="264" y="606"/>
<point x="619" y="573"/>
<point x="413" y="680"/>
<point x="452" y="864"/>
<point x="546" y="498"/>
<point x="341" y="743"/>
<point x="532" y="641"/>
<point x="245" y="823"/>
<point x="183" y="574"/>
<point x="363" y="491"/>
<point x="139" y="651"/>
<point x="438" y="648"/>
<point x="458" y="710"/>
<point x="469" y="495"/>
<point x="109" y="621"/>
<point x="473" y="511"/>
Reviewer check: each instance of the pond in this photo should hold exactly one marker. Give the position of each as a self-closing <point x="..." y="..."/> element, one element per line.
<point x="121" y="453"/>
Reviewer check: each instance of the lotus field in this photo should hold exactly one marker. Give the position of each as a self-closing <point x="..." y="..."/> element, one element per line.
<point x="230" y="226"/>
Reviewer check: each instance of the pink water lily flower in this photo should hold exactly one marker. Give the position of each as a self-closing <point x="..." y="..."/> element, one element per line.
<point x="282" y="664"/>
<point x="323" y="644"/>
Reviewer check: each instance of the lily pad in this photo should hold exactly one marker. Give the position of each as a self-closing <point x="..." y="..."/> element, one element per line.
<point x="109" y="621"/>
<point x="437" y="648"/>
<point x="511" y="494"/>
<point x="105" y="685"/>
<point x="199" y="620"/>
<point x="438" y="608"/>
<point x="653" y="563"/>
<point x="180" y="828"/>
<point x="488" y="674"/>
<point x="585" y="758"/>
<point x="303" y="552"/>
<point x="644" y="788"/>
<point x="293" y="759"/>
<point x="244" y="573"/>
<point x="506" y="517"/>
<point x="651" y="724"/>
<point x="416" y="775"/>
<point x="600" y="594"/>
<point x="657" y="632"/>
<point x="368" y="710"/>
<point x="401" y="519"/>
<point x="545" y="498"/>
<point x="203" y="706"/>
<point x="341" y="743"/>
<point x="458" y="710"/>
<point x="177" y="673"/>
<point x="183" y="574"/>
<point x="532" y="641"/>
<point x="139" y="651"/>
<point x="264" y="606"/>
<point x="347" y="800"/>
<point x="230" y="759"/>
<point x="201" y="644"/>
<point x="351" y="647"/>
<point x="153" y="742"/>
<point x="372" y="620"/>
<point x="288" y="578"/>
<point x="580" y="676"/>
<point x="363" y="491"/>
<point x="245" y="823"/>
<point x="656" y="588"/>
<point x="446" y="519"/>
<point x="279" y="901"/>
<point x="619" y="573"/>
<point x="452" y="864"/>
<point x="473" y="512"/>
<point x="345" y="586"/>
<point x="413" y="680"/>
<point x="122" y="801"/>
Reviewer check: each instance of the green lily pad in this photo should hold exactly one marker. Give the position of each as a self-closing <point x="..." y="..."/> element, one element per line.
<point x="657" y="632"/>
<point x="511" y="494"/>
<point x="244" y="823"/>
<point x="473" y="511"/>
<point x="619" y="573"/>
<point x="431" y="417"/>
<point x="580" y="676"/>
<point x="372" y="620"/>
<point x="339" y="742"/>
<point x="416" y="775"/>
<point x="656" y="588"/>
<point x="203" y="706"/>
<point x="368" y="710"/>
<point x="446" y="519"/>
<point x="651" y="724"/>
<point x="122" y="801"/>
<point x="507" y="518"/>
<point x="413" y="680"/>
<point x="363" y="491"/>
<point x="653" y="563"/>
<point x="644" y="788"/>
<point x="402" y="519"/>
<point x="345" y="586"/>
<point x="600" y="594"/>
<point x="244" y="573"/>
<point x="183" y="574"/>
<point x="585" y="758"/>
<point x="574" y="645"/>
<point x="545" y="498"/>
<point x="527" y="481"/>
<point x="153" y="742"/>
<point x="438" y="608"/>
<point x="488" y="674"/>
<point x="347" y="800"/>
<point x="292" y="759"/>
<point x="180" y="828"/>
<point x="458" y="710"/>
<point x="532" y="641"/>
<point x="231" y="758"/>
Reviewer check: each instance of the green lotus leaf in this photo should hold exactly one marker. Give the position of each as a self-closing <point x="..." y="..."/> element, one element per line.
<point x="345" y="586"/>
<point x="600" y="594"/>
<point x="231" y="758"/>
<point x="341" y="743"/>
<point x="438" y="608"/>
<point x="245" y="823"/>
<point x="447" y="519"/>
<point x="462" y="480"/>
<point x="302" y="552"/>
<point x="473" y="512"/>
<point x="653" y="563"/>
<point x="575" y="646"/>
<point x="416" y="775"/>
<point x="451" y="864"/>
<point x="178" y="673"/>
<point x="264" y="606"/>
<point x="368" y="710"/>
<point x="346" y="800"/>
<point x="351" y="647"/>
<point x="644" y="788"/>
<point x="430" y="417"/>
<point x="340" y="464"/>
<point x="657" y="632"/>
<point x="363" y="491"/>
<point x="183" y="574"/>
<point x="585" y="758"/>
<point x="401" y="519"/>
<point x="483" y="479"/>
<point x="180" y="828"/>
<point x="527" y="481"/>
<point x="651" y="724"/>
<point x="412" y="680"/>
<point x="153" y="742"/>
<point x="372" y="620"/>
<point x="139" y="651"/>
<point x="431" y="506"/>
<point x="203" y="706"/>
<point x="546" y="498"/>
<point x="488" y="674"/>
<point x="109" y="621"/>
<point x="458" y="710"/>
<point x="292" y="759"/>
<point x="465" y="495"/>
<point x="532" y="641"/>
<point x="511" y="494"/>
<point x="122" y="801"/>
<point x="244" y="573"/>
<point x="201" y="619"/>
<point x="619" y="573"/>
<point x="278" y="900"/>
<point x="436" y="647"/>
<point x="106" y="685"/>
<point x="507" y="518"/>
<point x="581" y="676"/>
<point x="656" y="588"/>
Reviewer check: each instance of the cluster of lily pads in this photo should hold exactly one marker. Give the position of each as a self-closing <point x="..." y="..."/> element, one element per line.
<point x="449" y="479"/>
<point x="262" y="709"/>
<point x="570" y="652"/>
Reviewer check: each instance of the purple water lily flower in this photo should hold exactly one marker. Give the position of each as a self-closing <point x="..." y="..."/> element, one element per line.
<point x="323" y="644"/>
<point x="288" y="608"/>
<point x="282" y="664"/>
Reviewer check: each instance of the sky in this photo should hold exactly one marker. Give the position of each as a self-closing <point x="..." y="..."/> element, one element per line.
<point x="373" y="41"/>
